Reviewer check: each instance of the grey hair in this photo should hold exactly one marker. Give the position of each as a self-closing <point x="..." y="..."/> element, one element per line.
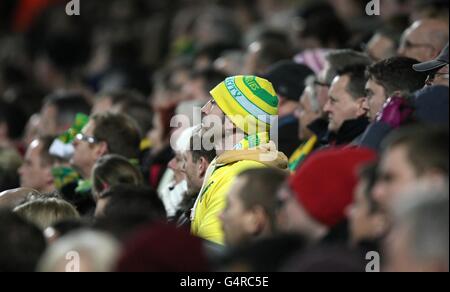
<point x="313" y="98"/>
<point x="340" y="59"/>
<point x="426" y="217"/>
<point x="97" y="249"/>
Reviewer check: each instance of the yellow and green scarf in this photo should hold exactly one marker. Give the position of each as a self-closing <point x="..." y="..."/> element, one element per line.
<point x="301" y="153"/>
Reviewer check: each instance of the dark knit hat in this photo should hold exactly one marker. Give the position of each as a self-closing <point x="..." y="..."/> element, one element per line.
<point x="288" y="78"/>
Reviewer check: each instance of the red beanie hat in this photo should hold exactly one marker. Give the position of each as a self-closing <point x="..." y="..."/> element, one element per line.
<point x="161" y="247"/>
<point x="325" y="183"/>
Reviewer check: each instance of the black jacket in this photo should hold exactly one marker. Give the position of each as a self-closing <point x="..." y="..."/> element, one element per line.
<point x="349" y="132"/>
<point x="320" y="128"/>
<point x="84" y="202"/>
<point x="288" y="140"/>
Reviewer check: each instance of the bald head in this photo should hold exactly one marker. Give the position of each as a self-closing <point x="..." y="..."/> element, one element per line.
<point x="424" y="39"/>
<point x="12" y="198"/>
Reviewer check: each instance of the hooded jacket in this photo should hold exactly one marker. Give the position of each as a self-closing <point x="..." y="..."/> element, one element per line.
<point x="219" y="177"/>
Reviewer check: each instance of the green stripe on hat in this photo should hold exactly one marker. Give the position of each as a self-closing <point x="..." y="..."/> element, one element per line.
<point x="246" y="103"/>
<point x="252" y="84"/>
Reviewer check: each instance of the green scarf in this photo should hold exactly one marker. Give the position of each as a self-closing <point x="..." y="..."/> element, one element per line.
<point x="253" y="141"/>
<point x="63" y="176"/>
<point x="81" y="120"/>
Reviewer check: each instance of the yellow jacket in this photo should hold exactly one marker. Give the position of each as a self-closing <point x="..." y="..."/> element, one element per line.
<point x="219" y="177"/>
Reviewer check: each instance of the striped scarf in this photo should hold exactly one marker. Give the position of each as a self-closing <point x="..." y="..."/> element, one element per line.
<point x="301" y="153"/>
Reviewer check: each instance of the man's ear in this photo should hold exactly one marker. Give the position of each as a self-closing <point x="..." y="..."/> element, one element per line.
<point x="202" y="166"/>
<point x="101" y="149"/>
<point x="363" y="106"/>
<point x="255" y="220"/>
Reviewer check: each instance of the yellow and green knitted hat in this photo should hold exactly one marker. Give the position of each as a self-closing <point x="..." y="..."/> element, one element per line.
<point x="248" y="101"/>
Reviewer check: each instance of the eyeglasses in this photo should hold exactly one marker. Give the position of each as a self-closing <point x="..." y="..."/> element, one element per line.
<point x="211" y="102"/>
<point x="209" y="105"/>
<point x="409" y="45"/>
<point x="433" y="76"/>
<point x="322" y="84"/>
<point x="84" y="138"/>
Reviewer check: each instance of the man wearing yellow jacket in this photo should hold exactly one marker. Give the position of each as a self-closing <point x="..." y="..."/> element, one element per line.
<point x="238" y="118"/>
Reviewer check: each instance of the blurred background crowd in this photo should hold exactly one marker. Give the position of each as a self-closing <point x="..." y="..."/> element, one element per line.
<point x="91" y="159"/>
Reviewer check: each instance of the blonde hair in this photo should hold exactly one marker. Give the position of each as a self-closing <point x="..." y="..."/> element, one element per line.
<point x="44" y="212"/>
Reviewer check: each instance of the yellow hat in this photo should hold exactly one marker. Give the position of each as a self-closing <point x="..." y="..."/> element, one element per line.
<point x="248" y="101"/>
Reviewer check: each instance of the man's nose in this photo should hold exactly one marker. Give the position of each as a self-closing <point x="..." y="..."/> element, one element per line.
<point x="20" y="171"/>
<point x="206" y="109"/>
<point x="349" y="211"/>
<point x="327" y="108"/>
<point x="366" y="104"/>
<point x="379" y="192"/>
